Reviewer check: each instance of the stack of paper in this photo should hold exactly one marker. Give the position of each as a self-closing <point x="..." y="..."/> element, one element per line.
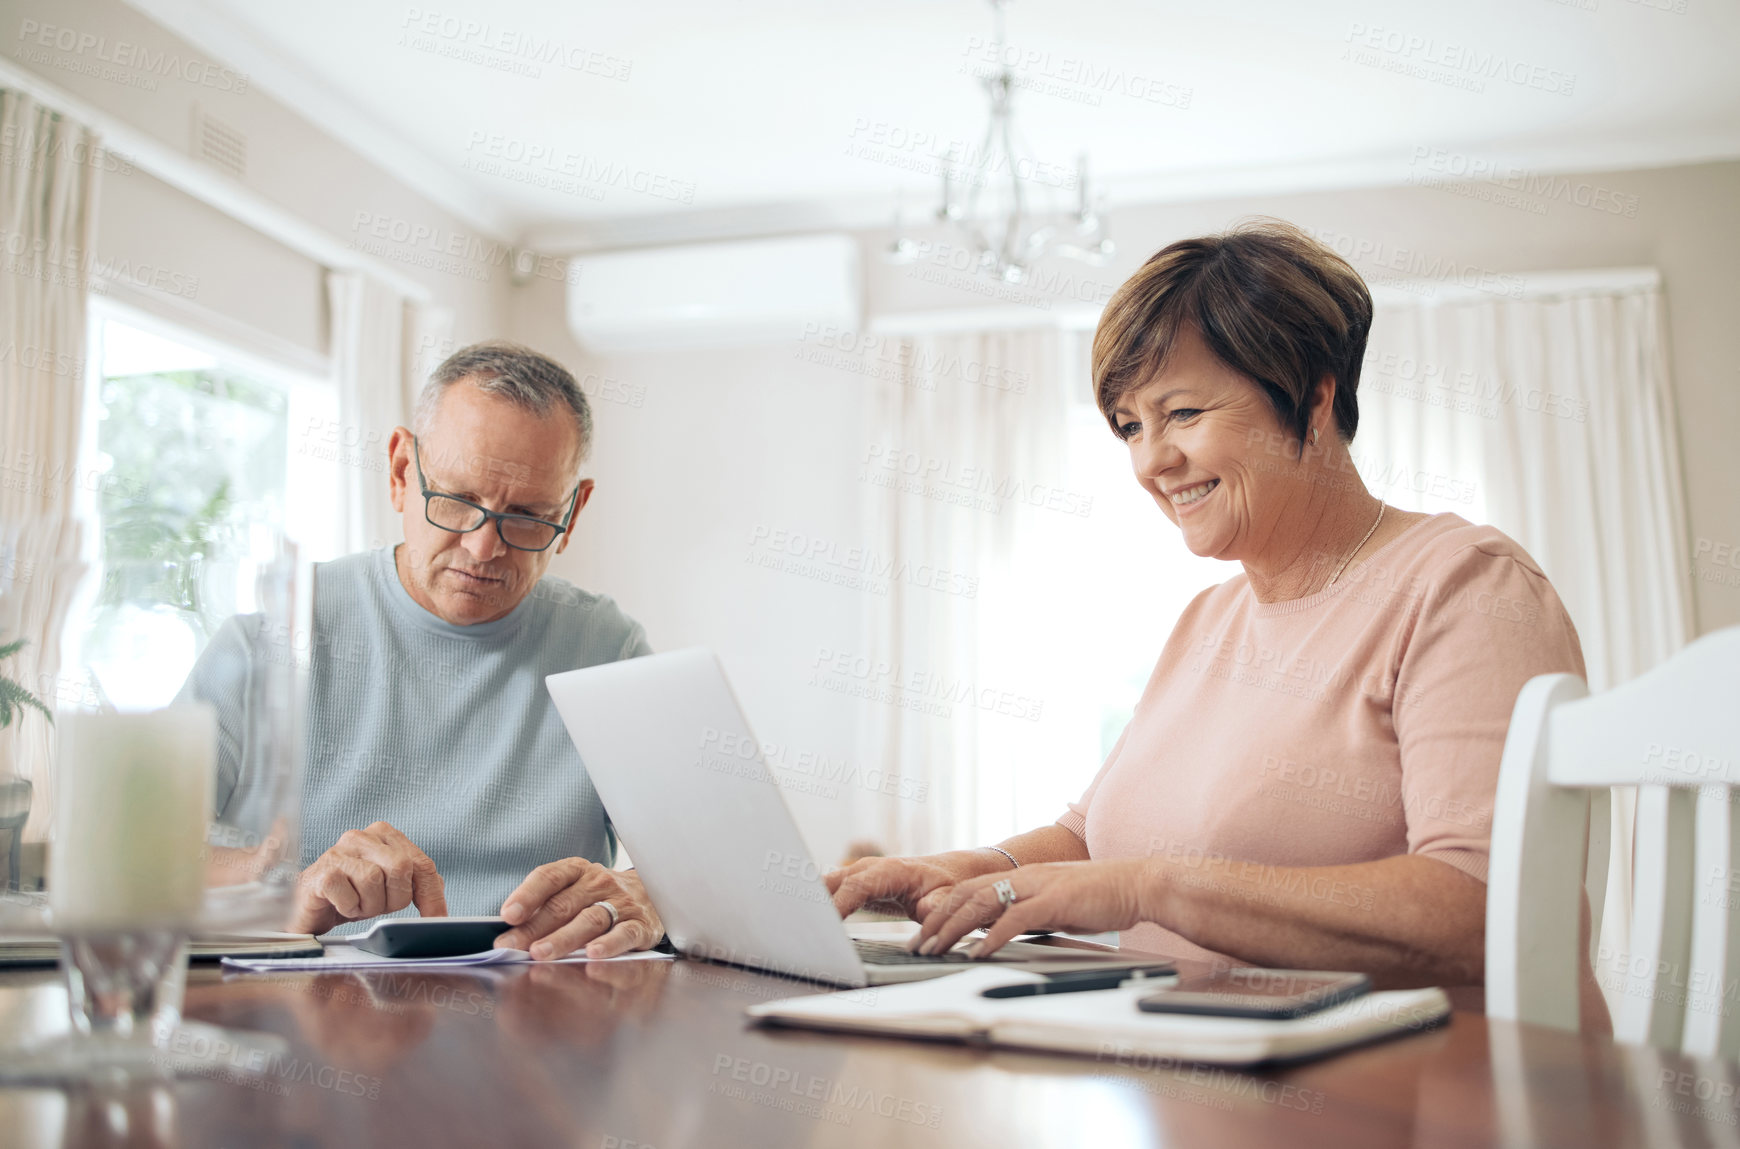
<point x="45" y="950"/>
<point x="339" y="956"/>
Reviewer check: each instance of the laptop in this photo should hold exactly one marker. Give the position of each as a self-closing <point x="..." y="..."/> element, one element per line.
<point x="672" y="756"/>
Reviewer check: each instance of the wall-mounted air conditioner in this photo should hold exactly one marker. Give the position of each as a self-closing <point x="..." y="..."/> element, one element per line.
<point x="713" y="295"/>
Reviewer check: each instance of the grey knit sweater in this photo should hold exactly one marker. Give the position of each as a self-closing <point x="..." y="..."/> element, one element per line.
<point x="445" y="731"/>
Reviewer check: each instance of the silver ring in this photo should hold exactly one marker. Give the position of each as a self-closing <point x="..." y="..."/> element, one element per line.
<point x="1005" y="892"/>
<point x="611" y="910"/>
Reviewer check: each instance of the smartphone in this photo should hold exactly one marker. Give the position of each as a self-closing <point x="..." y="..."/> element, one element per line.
<point x="429" y="937"/>
<point x="1262" y="993"/>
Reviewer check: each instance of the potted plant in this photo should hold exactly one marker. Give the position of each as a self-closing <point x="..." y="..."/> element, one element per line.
<point x="15" y="700"/>
<point x="13" y="697"/>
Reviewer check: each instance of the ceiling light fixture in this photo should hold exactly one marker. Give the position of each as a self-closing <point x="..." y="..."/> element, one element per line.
<point x="986" y="192"/>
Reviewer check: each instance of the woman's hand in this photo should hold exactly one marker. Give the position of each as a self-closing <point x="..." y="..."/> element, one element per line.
<point x="1086" y="896"/>
<point x="910" y="886"/>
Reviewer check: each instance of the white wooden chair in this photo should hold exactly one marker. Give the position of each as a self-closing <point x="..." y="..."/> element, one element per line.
<point x="1675" y="733"/>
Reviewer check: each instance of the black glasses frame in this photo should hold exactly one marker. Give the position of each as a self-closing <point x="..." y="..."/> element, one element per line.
<point x="498" y="517"/>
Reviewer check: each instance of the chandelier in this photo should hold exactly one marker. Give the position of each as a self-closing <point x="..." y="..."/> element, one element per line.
<point x="989" y="194"/>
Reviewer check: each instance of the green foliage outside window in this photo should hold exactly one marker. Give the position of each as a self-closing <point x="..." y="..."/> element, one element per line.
<point x="197" y="456"/>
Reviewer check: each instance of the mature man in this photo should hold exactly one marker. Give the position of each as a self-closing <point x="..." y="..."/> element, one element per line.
<point x="438" y="772"/>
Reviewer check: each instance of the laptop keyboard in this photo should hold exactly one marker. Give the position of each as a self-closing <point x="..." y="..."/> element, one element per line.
<point x="892" y="953"/>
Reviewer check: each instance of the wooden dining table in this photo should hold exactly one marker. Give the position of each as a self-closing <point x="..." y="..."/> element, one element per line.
<point x="660" y="1055"/>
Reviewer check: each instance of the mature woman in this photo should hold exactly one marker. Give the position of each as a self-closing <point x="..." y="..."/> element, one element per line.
<point x="1308" y="778"/>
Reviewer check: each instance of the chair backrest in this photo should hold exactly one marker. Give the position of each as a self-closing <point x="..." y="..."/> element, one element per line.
<point x="1674" y="733"/>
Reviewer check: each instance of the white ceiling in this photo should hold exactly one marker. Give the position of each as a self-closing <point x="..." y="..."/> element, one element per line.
<point x="770" y="110"/>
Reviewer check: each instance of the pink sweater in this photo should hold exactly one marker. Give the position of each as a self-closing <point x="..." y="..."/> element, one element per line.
<point x="1358" y="723"/>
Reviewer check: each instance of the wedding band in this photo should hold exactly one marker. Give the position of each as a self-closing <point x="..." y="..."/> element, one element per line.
<point x="611" y="910"/>
<point x="1005" y="892"/>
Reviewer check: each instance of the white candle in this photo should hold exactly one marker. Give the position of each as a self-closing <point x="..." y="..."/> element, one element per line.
<point x="132" y="801"/>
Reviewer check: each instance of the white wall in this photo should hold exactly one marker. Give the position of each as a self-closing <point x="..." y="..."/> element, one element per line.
<point x="694" y="451"/>
<point x="291" y="164"/>
<point x="194" y="260"/>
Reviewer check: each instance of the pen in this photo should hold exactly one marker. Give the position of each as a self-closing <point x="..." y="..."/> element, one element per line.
<point x="1078" y="981"/>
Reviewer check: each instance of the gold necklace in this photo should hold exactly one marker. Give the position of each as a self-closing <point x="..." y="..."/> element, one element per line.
<point x="1357" y="549"/>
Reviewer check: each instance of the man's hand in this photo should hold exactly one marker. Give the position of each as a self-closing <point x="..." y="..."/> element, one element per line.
<point x="555" y="911"/>
<point x="365" y="874"/>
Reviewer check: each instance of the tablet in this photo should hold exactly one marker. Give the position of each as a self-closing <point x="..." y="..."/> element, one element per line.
<point x="429" y="937"/>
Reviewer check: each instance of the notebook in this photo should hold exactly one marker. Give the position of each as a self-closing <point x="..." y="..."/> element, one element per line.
<point x="1102" y="1023"/>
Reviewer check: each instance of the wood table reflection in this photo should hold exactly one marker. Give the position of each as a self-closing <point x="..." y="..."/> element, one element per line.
<point x="658" y="1055"/>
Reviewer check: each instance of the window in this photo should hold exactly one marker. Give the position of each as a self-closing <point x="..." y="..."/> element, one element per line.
<point x="194" y="446"/>
<point x="1080" y="616"/>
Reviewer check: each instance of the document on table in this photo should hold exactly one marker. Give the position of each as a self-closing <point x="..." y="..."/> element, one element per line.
<point x="32" y="950"/>
<point x="339" y="956"/>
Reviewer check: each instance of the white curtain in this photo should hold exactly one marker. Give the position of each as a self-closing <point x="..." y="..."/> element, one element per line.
<point x="382" y="344"/>
<point x="48" y="212"/>
<point x="1550" y="416"/>
<point x="966" y="447"/>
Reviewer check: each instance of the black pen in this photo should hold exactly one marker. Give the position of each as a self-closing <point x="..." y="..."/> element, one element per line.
<point x="1080" y="980"/>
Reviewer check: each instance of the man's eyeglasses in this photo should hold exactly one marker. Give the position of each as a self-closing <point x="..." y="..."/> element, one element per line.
<point x="461" y="516"/>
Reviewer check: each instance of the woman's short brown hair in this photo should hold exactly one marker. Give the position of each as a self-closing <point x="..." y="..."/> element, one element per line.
<point x="1269" y="301"/>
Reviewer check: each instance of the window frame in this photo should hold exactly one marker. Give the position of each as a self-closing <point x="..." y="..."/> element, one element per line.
<point x="311" y="398"/>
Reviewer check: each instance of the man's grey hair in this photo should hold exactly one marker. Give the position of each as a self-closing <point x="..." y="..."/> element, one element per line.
<point x="518" y="374"/>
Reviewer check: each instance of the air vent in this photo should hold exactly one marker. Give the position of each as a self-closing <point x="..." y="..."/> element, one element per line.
<point x="220" y="145"/>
